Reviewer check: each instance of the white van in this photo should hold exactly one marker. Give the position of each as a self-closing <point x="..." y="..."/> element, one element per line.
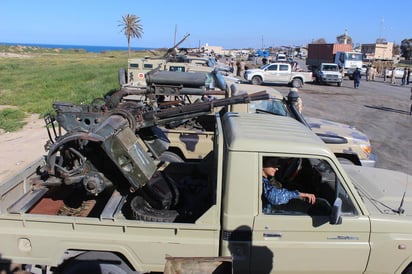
<point x="280" y="57"/>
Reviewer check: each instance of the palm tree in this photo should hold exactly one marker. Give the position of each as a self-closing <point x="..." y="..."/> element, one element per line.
<point x="131" y="27"/>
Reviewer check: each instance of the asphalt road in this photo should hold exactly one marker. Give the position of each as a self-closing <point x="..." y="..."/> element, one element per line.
<point x="377" y="108"/>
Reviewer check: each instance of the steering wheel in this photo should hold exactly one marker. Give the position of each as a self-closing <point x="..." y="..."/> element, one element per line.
<point x="320" y="208"/>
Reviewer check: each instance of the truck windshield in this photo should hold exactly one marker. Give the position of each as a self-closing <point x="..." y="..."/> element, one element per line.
<point x="330" y="68"/>
<point x="273" y="106"/>
<point x="354" y="56"/>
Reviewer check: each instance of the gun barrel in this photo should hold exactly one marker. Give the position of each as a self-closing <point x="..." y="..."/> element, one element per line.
<point x="194" y="109"/>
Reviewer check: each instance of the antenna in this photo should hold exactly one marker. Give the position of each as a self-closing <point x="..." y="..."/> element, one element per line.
<point x="382" y="27"/>
<point x="174" y="41"/>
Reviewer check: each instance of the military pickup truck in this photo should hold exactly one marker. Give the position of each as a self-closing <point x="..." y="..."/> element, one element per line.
<point x="278" y="73"/>
<point x="203" y="216"/>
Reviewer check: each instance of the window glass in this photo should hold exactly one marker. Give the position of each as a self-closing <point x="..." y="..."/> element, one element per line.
<point x="284" y="178"/>
<point x="283" y="67"/>
<point x="177" y="68"/>
<point x="148" y="66"/>
<point x="273" y="106"/>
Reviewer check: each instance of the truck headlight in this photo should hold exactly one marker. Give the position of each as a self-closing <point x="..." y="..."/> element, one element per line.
<point x="367" y="149"/>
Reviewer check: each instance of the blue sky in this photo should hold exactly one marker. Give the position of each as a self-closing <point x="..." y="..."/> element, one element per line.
<point x="230" y="23"/>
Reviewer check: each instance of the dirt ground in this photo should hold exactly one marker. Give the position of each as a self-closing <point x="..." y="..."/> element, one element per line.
<point x="20" y="148"/>
<point x="377" y="108"/>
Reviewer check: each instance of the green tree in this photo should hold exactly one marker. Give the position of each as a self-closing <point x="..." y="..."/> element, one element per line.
<point x="131" y="27"/>
<point x="406" y="48"/>
<point x="319" y="41"/>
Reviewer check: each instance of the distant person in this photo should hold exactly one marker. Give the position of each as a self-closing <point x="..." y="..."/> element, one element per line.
<point x="237" y="68"/>
<point x="405" y="73"/>
<point x="373" y="73"/>
<point x="384" y="74"/>
<point x="407" y="76"/>
<point x="393" y="77"/>
<point x="299" y="102"/>
<point x="356" y="78"/>
<point x="368" y="69"/>
<point x="264" y="61"/>
<point x="242" y="68"/>
<point x="410" y="110"/>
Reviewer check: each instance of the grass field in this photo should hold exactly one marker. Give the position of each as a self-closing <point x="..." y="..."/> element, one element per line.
<point x="32" y="78"/>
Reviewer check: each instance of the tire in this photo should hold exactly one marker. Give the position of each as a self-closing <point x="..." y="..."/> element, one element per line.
<point x="143" y="211"/>
<point x="297" y="83"/>
<point x="256" y="80"/>
<point x="170" y="157"/>
<point x="122" y="76"/>
<point x="339" y="84"/>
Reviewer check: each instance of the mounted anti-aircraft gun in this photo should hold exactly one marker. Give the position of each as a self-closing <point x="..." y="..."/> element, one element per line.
<point x="165" y="88"/>
<point x="102" y="148"/>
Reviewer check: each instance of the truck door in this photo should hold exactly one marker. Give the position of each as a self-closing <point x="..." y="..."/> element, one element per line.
<point x="271" y="73"/>
<point x="284" y="74"/>
<point x="306" y="242"/>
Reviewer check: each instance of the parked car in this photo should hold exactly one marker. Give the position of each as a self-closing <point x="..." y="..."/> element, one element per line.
<point x="398" y="72"/>
<point x="363" y="70"/>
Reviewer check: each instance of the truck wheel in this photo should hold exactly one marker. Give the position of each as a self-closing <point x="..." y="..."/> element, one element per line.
<point x="143" y="211"/>
<point x="339" y="84"/>
<point x="170" y="157"/>
<point x="256" y="80"/>
<point x="297" y="83"/>
<point x="122" y="76"/>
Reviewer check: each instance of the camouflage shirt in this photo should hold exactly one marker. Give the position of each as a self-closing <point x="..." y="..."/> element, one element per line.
<point x="275" y="195"/>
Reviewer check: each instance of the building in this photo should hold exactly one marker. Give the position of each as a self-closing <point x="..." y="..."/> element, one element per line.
<point x="378" y="51"/>
<point x="212" y="49"/>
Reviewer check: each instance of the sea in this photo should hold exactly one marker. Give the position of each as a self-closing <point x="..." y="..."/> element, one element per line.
<point x="95" y="49"/>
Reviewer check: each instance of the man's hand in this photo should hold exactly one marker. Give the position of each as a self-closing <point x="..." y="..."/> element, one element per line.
<point x="308" y="196"/>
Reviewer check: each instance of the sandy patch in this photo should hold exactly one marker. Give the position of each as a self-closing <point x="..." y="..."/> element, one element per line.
<point x="20" y="148"/>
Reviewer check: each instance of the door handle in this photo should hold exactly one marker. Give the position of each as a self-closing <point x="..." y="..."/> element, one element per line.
<point x="272" y="235"/>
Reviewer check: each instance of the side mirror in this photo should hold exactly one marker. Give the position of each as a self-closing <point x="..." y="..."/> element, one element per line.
<point x="335" y="216"/>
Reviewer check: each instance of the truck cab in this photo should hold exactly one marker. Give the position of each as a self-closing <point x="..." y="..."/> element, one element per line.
<point x="328" y="73"/>
<point x="348" y="62"/>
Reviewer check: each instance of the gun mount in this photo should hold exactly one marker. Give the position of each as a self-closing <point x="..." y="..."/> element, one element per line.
<point x="173" y="50"/>
<point x="115" y="147"/>
<point x="166" y="88"/>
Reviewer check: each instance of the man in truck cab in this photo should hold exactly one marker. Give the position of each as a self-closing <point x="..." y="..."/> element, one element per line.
<point x="277" y="198"/>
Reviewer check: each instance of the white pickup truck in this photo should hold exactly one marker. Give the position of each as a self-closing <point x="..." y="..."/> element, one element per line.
<point x="278" y="73"/>
<point x="328" y="73"/>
